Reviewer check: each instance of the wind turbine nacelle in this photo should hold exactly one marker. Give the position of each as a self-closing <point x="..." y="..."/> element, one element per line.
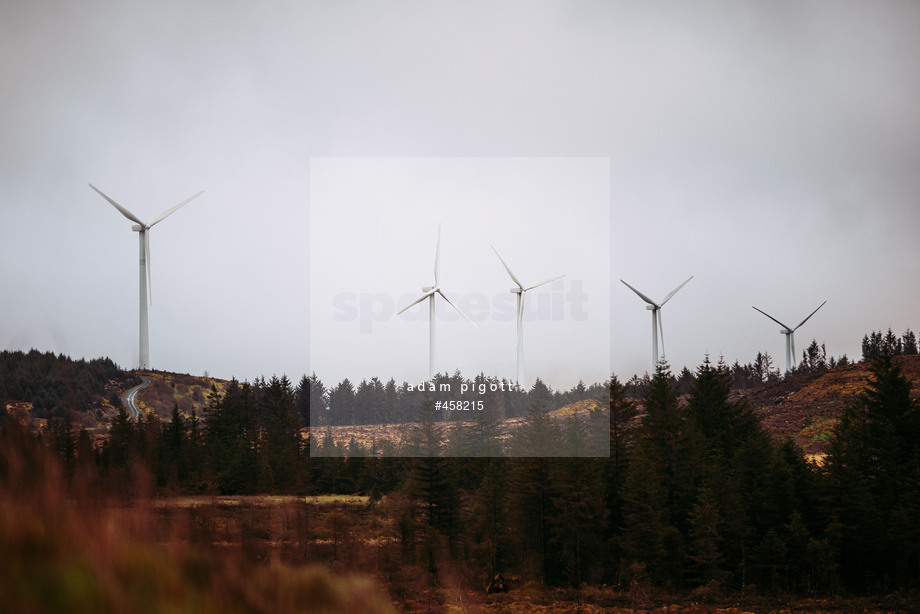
<point x="650" y="307"/>
<point x="516" y="290"/>
<point x="137" y="228"/>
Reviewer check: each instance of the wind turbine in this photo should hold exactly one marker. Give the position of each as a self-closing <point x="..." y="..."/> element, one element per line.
<point x="790" y="337"/>
<point x="657" y="325"/>
<point x="429" y="292"/>
<point x="142" y="229"/>
<point x="520" y="291"/>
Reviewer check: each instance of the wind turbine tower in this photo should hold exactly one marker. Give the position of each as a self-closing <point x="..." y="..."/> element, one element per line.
<point x="146" y="290"/>
<point x="520" y="290"/>
<point x="429" y="292"/>
<point x="657" y="324"/>
<point x="790" y="335"/>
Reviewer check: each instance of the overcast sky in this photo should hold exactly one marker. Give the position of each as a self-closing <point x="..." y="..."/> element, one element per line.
<point x="770" y="149"/>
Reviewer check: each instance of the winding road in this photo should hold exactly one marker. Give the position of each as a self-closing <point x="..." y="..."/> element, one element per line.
<point x="129" y="397"/>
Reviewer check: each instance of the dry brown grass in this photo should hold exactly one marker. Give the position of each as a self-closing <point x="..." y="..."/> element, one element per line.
<point x="367" y="435"/>
<point x="806" y="407"/>
<point x="65" y="548"/>
<point x="189" y="392"/>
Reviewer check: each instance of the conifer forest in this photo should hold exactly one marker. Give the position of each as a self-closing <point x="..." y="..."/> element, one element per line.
<point x="664" y="489"/>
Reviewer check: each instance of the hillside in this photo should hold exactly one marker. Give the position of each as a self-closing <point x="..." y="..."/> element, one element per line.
<point x="806" y="406"/>
<point x="41" y="386"/>
<point x="188" y="392"/>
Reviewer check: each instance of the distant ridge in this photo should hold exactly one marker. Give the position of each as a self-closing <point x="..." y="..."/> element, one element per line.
<point x="802" y="406"/>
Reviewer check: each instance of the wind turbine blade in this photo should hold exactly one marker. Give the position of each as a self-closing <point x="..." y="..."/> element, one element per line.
<point x="147" y="265"/>
<point x="544" y="282"/>
<point x="661" y="333"/>
<point x="424" y="296"/>
<point x="520" y="310"/>
<point x="124" y="211"/>
<point x="795" y="360"/>
<point x="455" y="307"/>
<point x="437" y="257"/>
<point x="674" y="291"/>
<point x="642" y="296"/>
<point x="774" y="319"/>
<point x="507" y="268"/>
<point x="172" y="210"/>
<point x="809" y="315"/>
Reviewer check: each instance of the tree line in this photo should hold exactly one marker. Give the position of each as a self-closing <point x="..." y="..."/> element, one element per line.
<point x="876" y="344"/>
<point x="754" y="374"/>
<point x="54" y="383"/>
<point x="373" y="402"/>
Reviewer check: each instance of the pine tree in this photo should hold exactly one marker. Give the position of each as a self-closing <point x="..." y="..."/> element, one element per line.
<point x="195" y="453"/>
<point x="723" y="424"/>
<point x="302" y="400"/>
<point x="620" y="444"/>
<point x="86" y="454"/>
<point x="763" y="370"/>
<point x="531" y="494"/>
<point x="121" y="443"/>
<point x="645" y="517"/>
<point x="149" y="437"/>
<point x="660" y="486"/>
<point x="280" y="440"/>
<point x="174" y="454"/>
<point x="814" y="358"/>
<point x="579" y="516"/>
<point x="705" y="551"/>
<point x="426" y="437"/>
<point x="874" y="453"/>
<point x="539" y="434"/>
<point x="769" y="561"/>
<point x="909" y="342"/>
<point x="391" y="403"/>
<point x="891" y="344"/>
<point x="365" y="410"/>
<point x="666" y="438"/>
<point x="540" y="393"/>
<point x="685" y="381"/>
<point x="232" y="436"/>
<point x="575" y="440"/>
<point x="317" y="402"/>
<point x="489" y="518"/>
<point x="475" y="433"/>
<point x="342" y="404"/>
<point x="62" y="441"/>
<point x="797" y="539"/>
<point x="432" y="483"/>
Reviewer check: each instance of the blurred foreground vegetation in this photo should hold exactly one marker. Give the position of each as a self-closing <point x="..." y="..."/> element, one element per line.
<point x="65" y="549"/>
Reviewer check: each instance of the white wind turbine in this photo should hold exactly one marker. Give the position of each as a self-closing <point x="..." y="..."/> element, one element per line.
<point x="142" y="229"/>
<point x="790" y="337"/>
<point x="520" y="291"/>
<point x="429" y="292"/>
<point x="657" y="325"/>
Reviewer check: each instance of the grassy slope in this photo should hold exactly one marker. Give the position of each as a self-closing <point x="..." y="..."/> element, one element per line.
<point x="806" y="407"/>
<point x="189" y="392"/>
